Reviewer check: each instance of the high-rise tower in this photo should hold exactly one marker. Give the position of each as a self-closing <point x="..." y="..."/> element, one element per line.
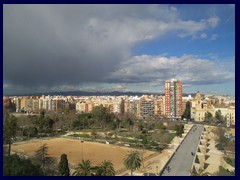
<point x="173" y="98"/>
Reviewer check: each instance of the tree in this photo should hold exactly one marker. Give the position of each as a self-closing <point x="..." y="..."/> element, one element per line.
<point x="105" y="169"/>
<point x="187" y="112"/>
<point x="63" y="169"/>
<point x="161" y="126"/>
<point x="62" y="120"/>
<point x="94" y="134"/>
<point x="132" y="161"/>
<point x="208" y="117"/>
<point x="222" y="141"/>
<point x="130" y="123"/>
<point x="9" y="130"/>
<point x="179" y="128"/>
<point x="102" y="114"/>
<point x="84" y="169"/>
<point x="15" y="166"/>
<point x="30" y="131"/>
<point x="144" y="140"/>
<point x="45" y="125"/>
<point x="43" y="158"/>
<point x="219" y="116"/>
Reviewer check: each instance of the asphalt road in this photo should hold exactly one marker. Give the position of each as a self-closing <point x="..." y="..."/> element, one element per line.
<point x="181" y="162"/>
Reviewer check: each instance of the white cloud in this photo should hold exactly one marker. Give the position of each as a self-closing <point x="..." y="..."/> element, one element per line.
<point x="203" y="36"/>
<point x="214" y="37"/>
<point x="132" y="30"/>
<point x="190" y="28"/>
<point x="213" y="22"/>
<point x="190" y="69"/>
<point x="173" y="8"/>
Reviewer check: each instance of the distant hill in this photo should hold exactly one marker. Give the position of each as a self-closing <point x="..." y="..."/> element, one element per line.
<point x="83" y="93"/>
<point x="97" y="93"/>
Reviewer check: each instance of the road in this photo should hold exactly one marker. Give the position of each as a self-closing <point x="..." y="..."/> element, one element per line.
<point x="182" y="160"/>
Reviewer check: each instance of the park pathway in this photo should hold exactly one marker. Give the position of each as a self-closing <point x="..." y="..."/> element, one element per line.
<point x="181" y="162"/>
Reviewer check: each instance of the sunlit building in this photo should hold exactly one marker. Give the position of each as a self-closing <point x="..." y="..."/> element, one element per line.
<point x="231" y="116"/>
<point x="200" y="107"/>
<point x="173" y="98"/>
<point x="146" y="107"/>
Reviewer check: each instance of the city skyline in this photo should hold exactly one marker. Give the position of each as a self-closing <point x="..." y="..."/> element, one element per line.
<point x="118" y="48"/>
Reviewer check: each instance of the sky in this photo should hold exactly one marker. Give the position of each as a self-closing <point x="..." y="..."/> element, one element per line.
<point x="76" y="47"/>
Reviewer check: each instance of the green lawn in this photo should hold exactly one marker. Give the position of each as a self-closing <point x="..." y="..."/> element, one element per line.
<point x="171" y="136"/>
<point x="230" y="161"/>
<point x="225" y="172"/>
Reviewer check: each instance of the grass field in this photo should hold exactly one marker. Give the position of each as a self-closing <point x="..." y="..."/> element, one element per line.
<point x="74" y="149"/>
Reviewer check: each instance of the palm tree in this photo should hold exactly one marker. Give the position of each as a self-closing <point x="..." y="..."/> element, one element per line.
<point x="133" y="161"/>
<point x="105" y="169"/>
<point x="84" y="169"/>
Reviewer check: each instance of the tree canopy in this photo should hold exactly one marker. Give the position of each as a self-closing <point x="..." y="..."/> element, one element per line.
<point x="179" y="128"/>
<point x="208" y="117"/>
<point x="15" y="166"/>
<point x="187" y="112"/>
<point x="44" y="159"/>
<point x="105" y="169"/>
<point x="84" y="169"/>
<point x="9" y="130"/>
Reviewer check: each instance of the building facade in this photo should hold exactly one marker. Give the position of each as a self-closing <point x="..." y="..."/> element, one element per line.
<point x="200" y="107"/>
<point x="231" y="116"/>
<point x="173" y="98"/>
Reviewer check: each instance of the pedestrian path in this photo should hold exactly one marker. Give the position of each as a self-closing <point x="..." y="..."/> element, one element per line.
<point x="181" y="162"/>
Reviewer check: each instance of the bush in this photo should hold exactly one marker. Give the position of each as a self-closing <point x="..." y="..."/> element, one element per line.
<point x="81" y="135"/>
<point x="230" y="161"/>
<point x="179" y="128"/>
<point x="15" y="166"/>
<point x="219" y="146"/>
<point x="225" y="172"/>
<point x="170" y="137"/>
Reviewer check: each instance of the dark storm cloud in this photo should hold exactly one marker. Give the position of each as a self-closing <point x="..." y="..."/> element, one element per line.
<point x="46" y="46"/>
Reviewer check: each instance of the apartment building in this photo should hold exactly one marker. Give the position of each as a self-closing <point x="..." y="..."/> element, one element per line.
<point x="146" y="107"/>
<point x="231" y="116"/>
<point x="173" y="98"/>
<point x="159" y="106"/>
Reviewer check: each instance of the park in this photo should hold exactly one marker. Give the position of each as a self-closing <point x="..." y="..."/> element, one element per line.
<point x="77" y="150"/>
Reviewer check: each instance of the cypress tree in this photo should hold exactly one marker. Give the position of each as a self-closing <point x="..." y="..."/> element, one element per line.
<point x="63" y="169"/>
